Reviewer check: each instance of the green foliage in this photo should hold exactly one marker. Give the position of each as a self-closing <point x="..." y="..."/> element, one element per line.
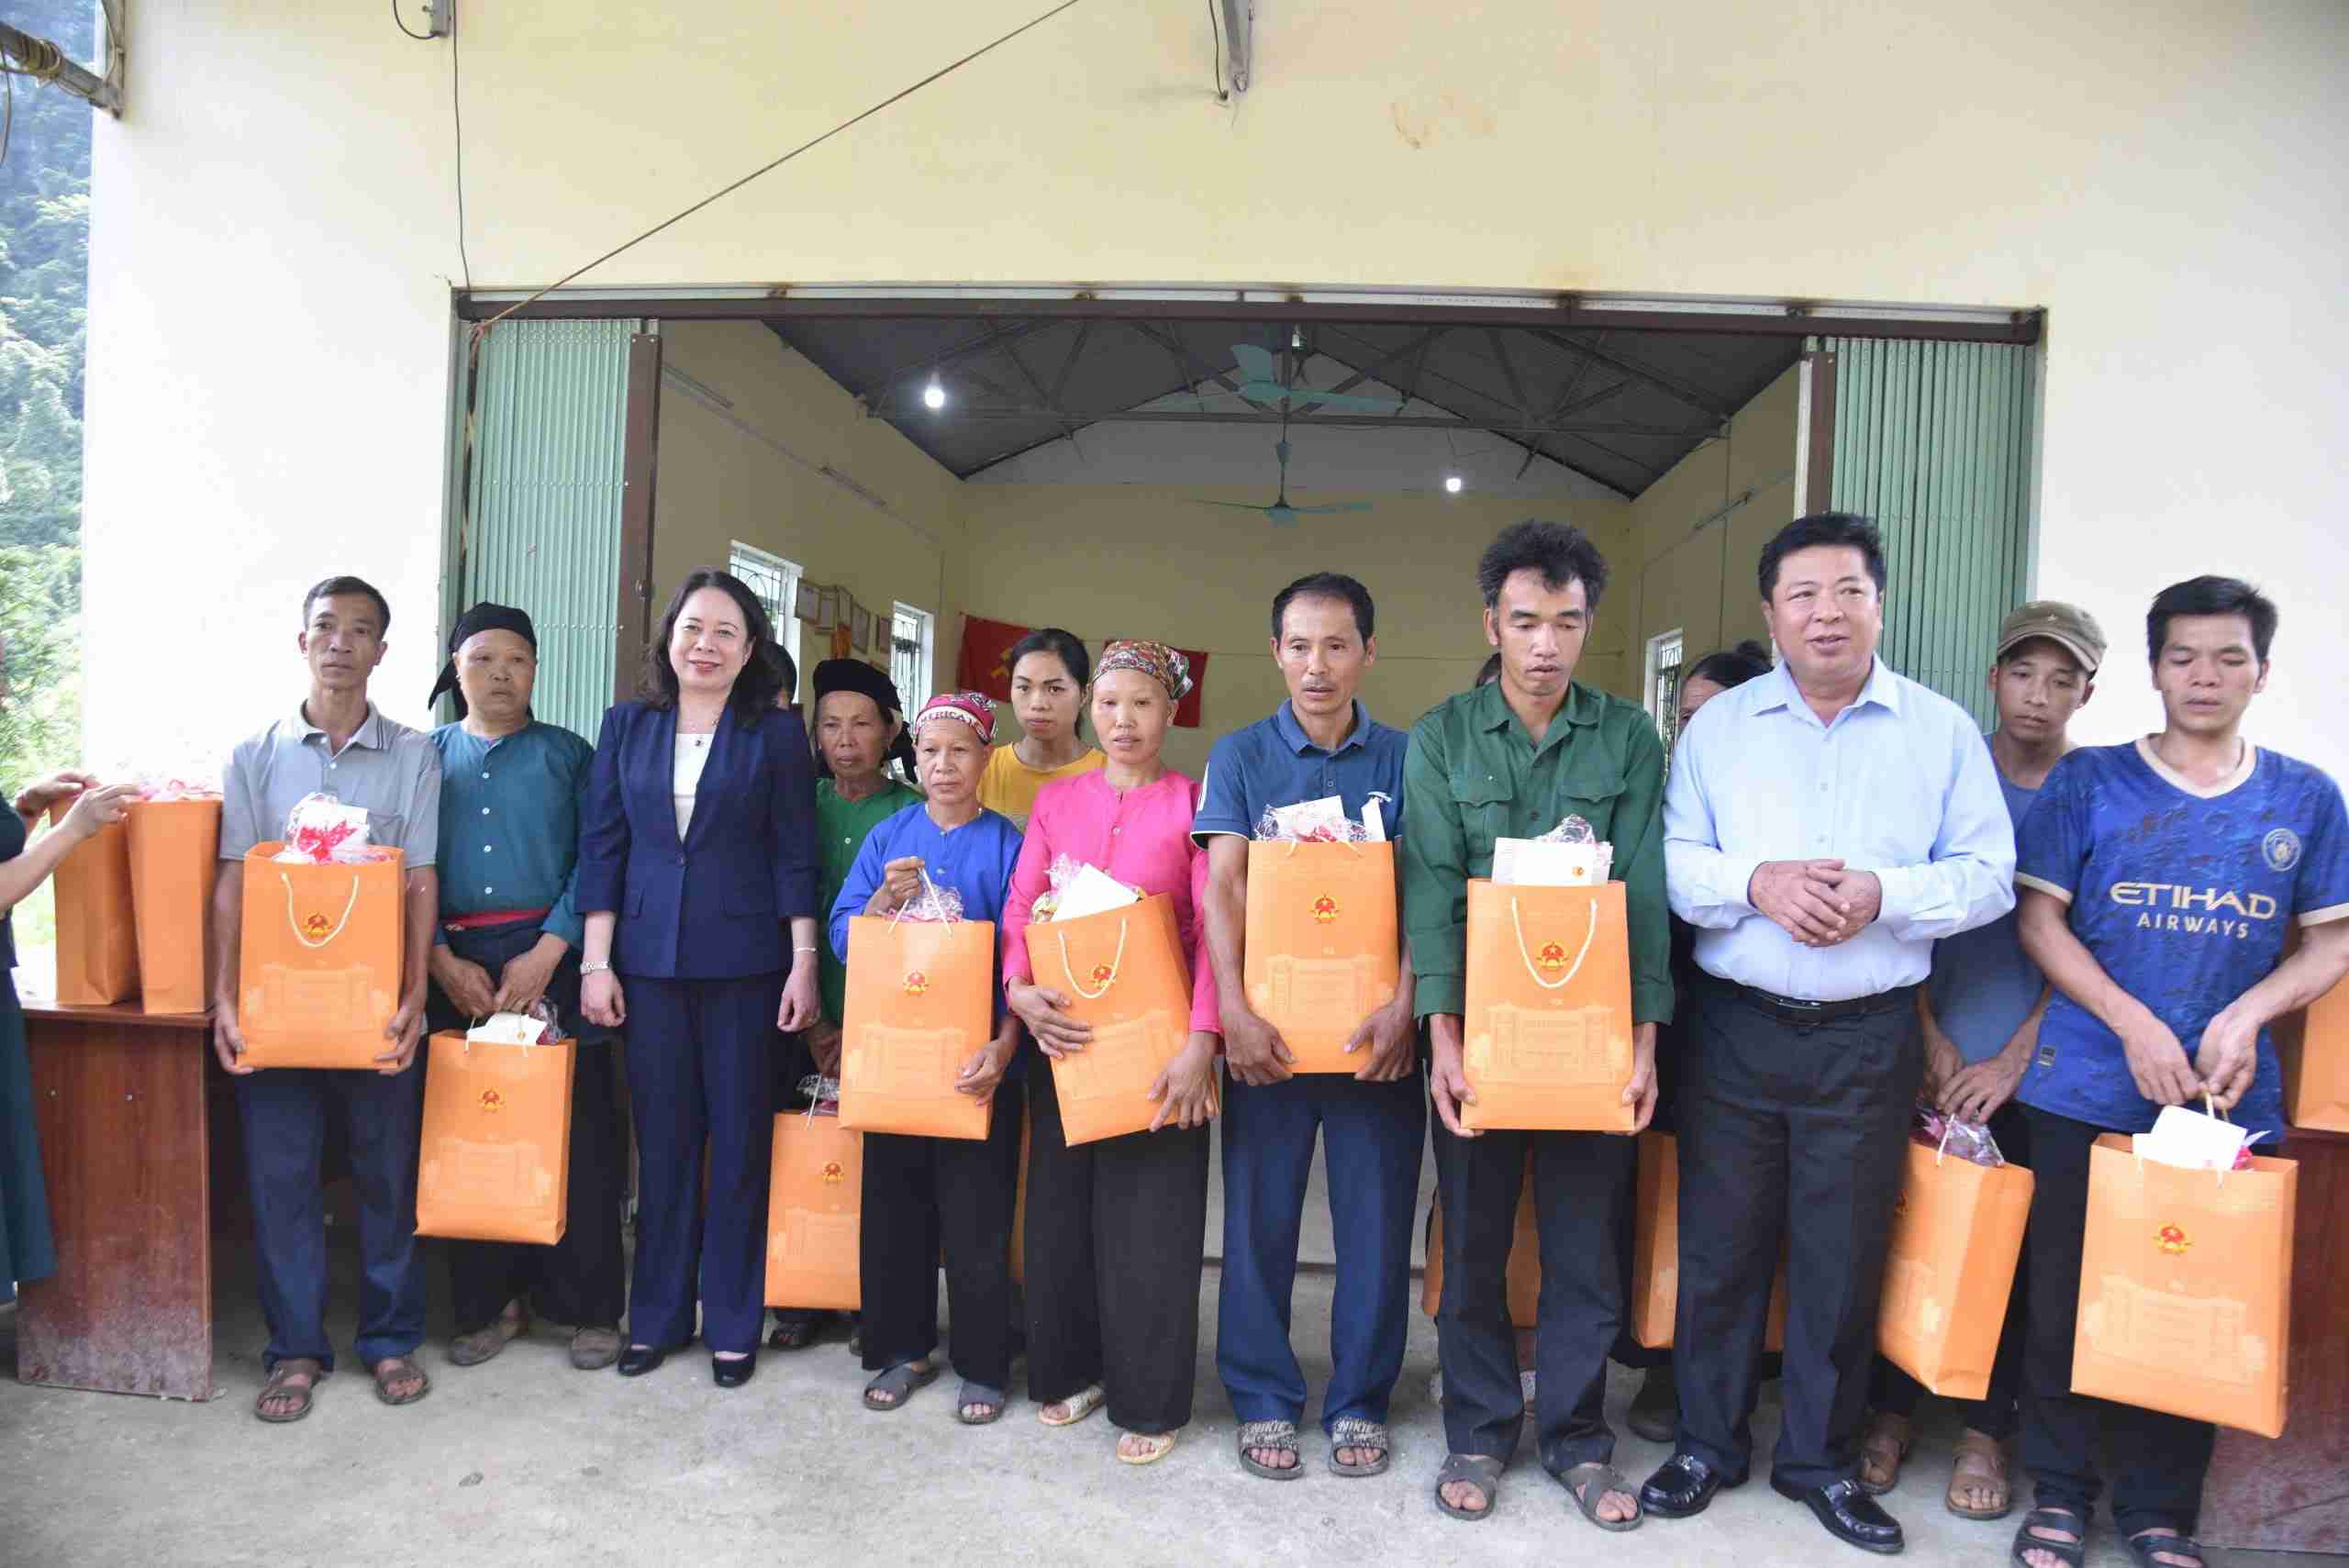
<point x="44" y="317"/>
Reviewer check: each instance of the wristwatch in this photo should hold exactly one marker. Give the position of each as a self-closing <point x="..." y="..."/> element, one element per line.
<point x="593" y="966"/>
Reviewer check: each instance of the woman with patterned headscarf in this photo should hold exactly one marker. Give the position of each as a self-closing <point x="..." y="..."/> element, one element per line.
<point x="1113" y="1303"/>
<point x="924" y="1194"/>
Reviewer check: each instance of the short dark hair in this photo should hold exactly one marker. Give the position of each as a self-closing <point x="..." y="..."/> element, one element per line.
<point x="1846" y="528"/>
<point x="1732" y="666"/>
<point x="1491" y="671"/>
<point x="1328" y="586"/>
<point x="2211" y="596"/>
<point x="337" y="586"/>
<point x="1065" y="646"/>
<point x="758" y="682"/>
<point x="1560" y="551"/>
<point x="786" y="670"/>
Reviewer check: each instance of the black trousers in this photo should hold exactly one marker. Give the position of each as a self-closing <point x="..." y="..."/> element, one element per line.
<point x="1581" y="1182"/>
<point x="1117" y="1237"/>
<point x="918" y="1192"/>
<point x="1997" y="1414"/>
<point x="582" y="1279"/>
<point x="2164" y="1458"/>
<point x="1790" y="1134"/>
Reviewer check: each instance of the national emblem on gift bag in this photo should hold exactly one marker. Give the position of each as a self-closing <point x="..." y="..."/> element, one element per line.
<point x="316" y="927"/>
<point x="2173" y="1238"/>
<point x="1552" y="955"/>
<point x="1103" y="973"/>
<point x="492" y="1101"/>
<point x="917" y="983"/>
<point x="833" y="1173"/>
<point x="1325" y="909"/>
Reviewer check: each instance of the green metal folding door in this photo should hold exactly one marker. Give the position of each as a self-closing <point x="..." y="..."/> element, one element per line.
<point x="548" y="501"/>
<point x="1934" y="441"/>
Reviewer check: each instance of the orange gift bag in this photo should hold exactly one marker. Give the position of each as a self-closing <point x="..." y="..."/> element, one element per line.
<point x="175" y="860"/>
<point x="1322" y="947"/>
<point x="920" y="1001"/>
<point x="494" y="1160"/>
<point x="1956" y="1236"/>
<point x="1655" y="1295"/>
<point x="2313" y="1049"/>
<point x="1124" y="972"/>
<point x="2186" y="1287"/>
<point x="97" y="954"/>
<point x="1524" y="1261"/>
<point x="1548" y="1029"/>
<point x="815" y="1195"/>
<point x="320" y="976"/>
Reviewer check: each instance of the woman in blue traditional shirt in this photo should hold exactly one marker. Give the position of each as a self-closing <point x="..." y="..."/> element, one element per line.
<point x="919" y="1192"/>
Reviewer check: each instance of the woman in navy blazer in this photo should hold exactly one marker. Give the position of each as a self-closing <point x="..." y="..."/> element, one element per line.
<point x="697" y="877"/>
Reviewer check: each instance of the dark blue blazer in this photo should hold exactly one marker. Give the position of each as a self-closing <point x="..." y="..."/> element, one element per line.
<point x="714" y="906"/>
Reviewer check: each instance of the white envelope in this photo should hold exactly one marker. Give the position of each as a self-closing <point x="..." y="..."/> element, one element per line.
<point x="2197" y="1142"/>
<point x="1531" y="862"/>
<point x="1091" y="890"/>
<point x="505" y="1028"/>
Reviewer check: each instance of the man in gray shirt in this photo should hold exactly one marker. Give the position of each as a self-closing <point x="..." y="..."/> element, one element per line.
<point x="334" y="743"/>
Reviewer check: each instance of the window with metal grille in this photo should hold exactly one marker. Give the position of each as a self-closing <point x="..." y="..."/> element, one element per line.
<point x="777" y="583"/>
<point x="1663" y="686"/>
<point x="911" y="631"/>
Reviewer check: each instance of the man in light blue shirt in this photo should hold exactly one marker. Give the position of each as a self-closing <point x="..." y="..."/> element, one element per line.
<point x="1823" y="825"/>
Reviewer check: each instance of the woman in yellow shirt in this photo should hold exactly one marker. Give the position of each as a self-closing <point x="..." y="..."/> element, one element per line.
<point x="1048" y="672"/>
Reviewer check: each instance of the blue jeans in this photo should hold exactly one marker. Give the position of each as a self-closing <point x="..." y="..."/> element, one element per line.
<point x="1372" y="1134"/>
<point x="285" y="1111"/>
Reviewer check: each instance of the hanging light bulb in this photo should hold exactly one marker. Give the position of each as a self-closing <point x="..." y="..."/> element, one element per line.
<point x="933" y="395"/>
<point x="1452" y="484"/>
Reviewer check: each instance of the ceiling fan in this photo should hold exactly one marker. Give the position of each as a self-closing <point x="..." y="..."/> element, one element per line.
<point x="1280" y="512"/>
<point x="1261" y="383"/>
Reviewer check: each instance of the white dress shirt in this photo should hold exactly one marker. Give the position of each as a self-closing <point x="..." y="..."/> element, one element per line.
<point x="1900" y="784"/>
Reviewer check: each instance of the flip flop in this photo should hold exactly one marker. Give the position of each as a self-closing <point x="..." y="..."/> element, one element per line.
<point x="394" y="1367"/>
<point x="979" y="1393"/>
<point x="1598" y="1480"/>
<point x="1479" y="1471"/>
<point x="1081" y="1404"/>
<point x="274" y="1386"/>
<point x="1979" y="1461"/>
<point x="899" y="1381"/>
<point x="1360" y="1432"/>
<point x="2144" y="1545"/>
<point x="1161" y="1445"/>
<point x="1278" y="1436"/>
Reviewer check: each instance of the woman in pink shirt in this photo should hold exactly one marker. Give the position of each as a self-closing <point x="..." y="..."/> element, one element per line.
<point x="1113" y="1310"/>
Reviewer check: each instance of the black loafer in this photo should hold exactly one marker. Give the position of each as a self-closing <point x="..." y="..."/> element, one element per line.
<point x="734" y="1373"/>
<point x="1682" y="1487"/>
<point x="635" y="1362"/>
<point x="1849" y="1515"/>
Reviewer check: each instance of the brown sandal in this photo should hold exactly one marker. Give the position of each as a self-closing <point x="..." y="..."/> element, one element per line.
<point x="471" y="1349"/>
<point x="277" y="1387"/>
<point x="394" y="1369"/>
<point x="1882" y="1452"/>
<point x="1979" y="1464"/>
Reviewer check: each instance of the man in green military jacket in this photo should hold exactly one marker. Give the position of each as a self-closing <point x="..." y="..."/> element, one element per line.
<point x="1510" y="760"/>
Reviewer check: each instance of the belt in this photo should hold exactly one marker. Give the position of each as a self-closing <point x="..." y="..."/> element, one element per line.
<point x="488" y="917"/>
<point x="1796" y="1011"/>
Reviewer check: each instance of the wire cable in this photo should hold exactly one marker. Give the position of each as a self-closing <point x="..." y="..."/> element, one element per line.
<point x="420" y="38"/>
<point x="768" y="168"/>
<point x="457" y="115"/>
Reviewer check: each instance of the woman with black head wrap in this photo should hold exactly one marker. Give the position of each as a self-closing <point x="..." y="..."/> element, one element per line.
<point x="860" y="730"/>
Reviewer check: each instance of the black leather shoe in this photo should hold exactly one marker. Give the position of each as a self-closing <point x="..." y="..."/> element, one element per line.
<point x="1849" y="1513"/>
<point x="635" y="1362"/>
<point x="734" y="1373"/>
<point x="1682" y="1487"/>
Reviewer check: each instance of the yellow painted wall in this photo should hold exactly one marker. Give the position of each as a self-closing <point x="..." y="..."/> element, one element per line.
<point x="1695" y="563"/>
<point x="1121" y="560"/>
<point x="275" y="236"/>
<point x="720" y="482"/>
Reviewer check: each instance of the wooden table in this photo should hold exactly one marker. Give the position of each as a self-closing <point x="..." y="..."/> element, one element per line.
<point x="120" y="1102"/>
<point x="2291" y="1494"/>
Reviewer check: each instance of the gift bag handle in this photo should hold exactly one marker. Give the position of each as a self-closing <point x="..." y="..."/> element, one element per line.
<point x="936" y="903"/>
<point x="295" y="925"/>
<point x="1519" y="924"/>
<point x="1116" y="963"/>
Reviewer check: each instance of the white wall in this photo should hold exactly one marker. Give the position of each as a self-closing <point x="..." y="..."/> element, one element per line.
<point x="274" y="230"/>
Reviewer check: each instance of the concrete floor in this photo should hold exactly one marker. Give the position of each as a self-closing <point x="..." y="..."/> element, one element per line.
<point x="525" y="1461"/>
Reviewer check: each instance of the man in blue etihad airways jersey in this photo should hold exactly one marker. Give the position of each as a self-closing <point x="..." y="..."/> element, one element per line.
<point x="2157" y="880"/>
